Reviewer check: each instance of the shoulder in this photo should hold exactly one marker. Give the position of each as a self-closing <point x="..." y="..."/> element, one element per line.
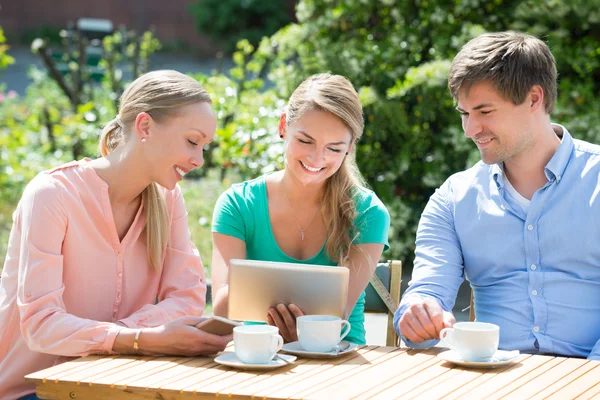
<point x="367" y="202"/>
<point x="477" y="178"/>
<point x="245" y="192"/>
<point x="590" y="150"/>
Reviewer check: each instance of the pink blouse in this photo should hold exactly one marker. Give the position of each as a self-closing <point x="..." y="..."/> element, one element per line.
<point x="68" y="280"/>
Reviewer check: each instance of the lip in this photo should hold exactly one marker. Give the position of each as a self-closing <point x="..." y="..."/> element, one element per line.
<point x="484" y="143"/>
<point x="309" y="171"/>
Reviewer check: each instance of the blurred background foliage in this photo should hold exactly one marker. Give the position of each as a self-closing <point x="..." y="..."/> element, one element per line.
<point x="397" y="54"/>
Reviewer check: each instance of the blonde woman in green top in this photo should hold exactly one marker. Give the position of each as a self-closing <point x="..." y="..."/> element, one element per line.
<point x="315" y="211"/>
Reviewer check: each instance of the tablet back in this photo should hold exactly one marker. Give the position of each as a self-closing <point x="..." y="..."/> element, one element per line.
<point x="255" y="286"/>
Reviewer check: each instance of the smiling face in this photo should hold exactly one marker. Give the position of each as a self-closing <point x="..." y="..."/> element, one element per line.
<point x="316" y="145"/>
<point x="500" y="129"/>
<point x="175" y="145"/>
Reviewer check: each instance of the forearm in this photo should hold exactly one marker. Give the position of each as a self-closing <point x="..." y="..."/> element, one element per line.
<point x="147" y="340"/>
<point x="220" y="301"/>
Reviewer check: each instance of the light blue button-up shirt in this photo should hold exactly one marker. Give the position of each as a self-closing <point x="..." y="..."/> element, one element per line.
<point x="536" y="274"/>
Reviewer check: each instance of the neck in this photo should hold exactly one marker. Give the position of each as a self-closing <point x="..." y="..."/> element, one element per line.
<point x="125" y="174"/>
<point x="526" y="171"/>
<point x="297" y="192"/>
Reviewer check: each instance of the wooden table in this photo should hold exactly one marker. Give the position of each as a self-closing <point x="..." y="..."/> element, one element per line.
<point x="369" y="372"/>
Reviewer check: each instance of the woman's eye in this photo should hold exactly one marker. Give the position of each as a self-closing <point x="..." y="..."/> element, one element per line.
<point x="192" y="143"/>
<point x="335" y="150"/>
<point x="303" y="141"/>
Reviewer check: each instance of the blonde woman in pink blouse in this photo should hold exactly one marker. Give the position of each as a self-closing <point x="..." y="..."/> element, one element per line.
<point x="95" y="243"/>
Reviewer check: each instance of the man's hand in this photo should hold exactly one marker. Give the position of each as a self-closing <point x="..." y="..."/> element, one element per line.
<point x="424" y="320"/>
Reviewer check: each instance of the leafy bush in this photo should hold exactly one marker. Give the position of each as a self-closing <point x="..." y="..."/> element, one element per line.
<point x="229" y="21"/>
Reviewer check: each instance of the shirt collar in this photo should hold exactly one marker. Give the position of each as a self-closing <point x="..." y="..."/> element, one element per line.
<point x="555" y="167"/>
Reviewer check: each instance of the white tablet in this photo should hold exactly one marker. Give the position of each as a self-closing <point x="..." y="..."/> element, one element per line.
<point x="255" y="286"/>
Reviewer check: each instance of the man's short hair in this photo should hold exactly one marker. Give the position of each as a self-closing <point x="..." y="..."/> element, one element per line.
<point x="512" y="61"/>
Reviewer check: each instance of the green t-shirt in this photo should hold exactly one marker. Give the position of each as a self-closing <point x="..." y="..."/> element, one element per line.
<point x="242" y="211"/>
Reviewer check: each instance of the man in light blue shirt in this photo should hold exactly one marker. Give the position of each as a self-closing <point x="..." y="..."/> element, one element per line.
<point x="522" y="225"/>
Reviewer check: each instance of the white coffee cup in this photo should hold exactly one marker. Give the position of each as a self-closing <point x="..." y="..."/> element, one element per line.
<point x="256" y="344"/>
<point x="473" y="341"/>
<point x="321" y="333"/>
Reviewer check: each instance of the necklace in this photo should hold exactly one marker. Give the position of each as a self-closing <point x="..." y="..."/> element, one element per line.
<point x="296" y="220"/>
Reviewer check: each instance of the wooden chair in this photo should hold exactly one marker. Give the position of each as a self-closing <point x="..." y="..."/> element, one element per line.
<point x="472" y="308"/>
<point x="383" y="295"/>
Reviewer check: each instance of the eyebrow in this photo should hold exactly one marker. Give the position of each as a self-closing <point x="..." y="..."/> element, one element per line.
<point x="479" y="107"/>
<point x="310" y="137"/>
<point x="199" y="131"/>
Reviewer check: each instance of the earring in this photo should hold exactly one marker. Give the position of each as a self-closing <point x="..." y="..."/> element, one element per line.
<point x="281" y="136"/>
<point x="144" y="141"/>
<point x="346" y="153"/>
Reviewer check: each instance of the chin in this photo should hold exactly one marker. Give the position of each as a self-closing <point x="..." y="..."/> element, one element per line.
<point x="166" y="185"/>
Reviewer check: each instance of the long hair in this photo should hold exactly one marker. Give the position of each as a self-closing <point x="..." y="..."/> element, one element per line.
<point x="160" y="94"/>
<point x="336" y="95"/>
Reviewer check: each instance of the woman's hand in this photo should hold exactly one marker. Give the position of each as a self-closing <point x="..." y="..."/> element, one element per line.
<point x="181" y="337"/>
<point x="285" y="319"/>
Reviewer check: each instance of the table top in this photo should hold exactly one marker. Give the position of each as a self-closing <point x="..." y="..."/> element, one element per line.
<point x="368" y="372"/>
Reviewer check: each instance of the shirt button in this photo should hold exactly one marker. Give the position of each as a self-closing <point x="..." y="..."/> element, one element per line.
<point x="534" y="292"/>
<point x="120" y="256"/>
<point x="119" y="274"/>
<point x="530" y="227"/>
<point x="28" y="295"/>
<point x="533" y="267"/>
<point x="536" y="328"/>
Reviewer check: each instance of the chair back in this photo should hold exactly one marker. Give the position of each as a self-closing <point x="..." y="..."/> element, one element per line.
<point x="383" y="295"/>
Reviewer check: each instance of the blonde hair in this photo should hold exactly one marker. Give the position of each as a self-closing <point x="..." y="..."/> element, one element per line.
<point x="160" y="94"/>
<point x="336" y="95"/>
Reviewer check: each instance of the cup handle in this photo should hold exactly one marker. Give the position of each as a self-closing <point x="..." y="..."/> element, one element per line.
<point x="447" y="337"/>
<point x="275" y="349"/>
<point x="345" y="333"/>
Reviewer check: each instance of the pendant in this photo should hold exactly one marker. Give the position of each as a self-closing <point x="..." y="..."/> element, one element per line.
<point x="302" y="234"/>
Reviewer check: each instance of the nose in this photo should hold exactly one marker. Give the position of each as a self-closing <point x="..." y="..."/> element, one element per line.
<point x="317" y="155"/>
<point x="197" y="161"/>
<point x="471" y="126"/>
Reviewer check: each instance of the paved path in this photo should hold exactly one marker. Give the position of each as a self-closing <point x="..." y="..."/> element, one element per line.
<point x="15" y="77"/>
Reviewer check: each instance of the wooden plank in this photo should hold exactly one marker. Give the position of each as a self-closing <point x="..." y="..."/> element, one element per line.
<point x="482" y="379"/>
<point x="204" y="374"/>
<point x="347" y="372"/>
<point x="592" y="393"/>
<point x="129" y="373"/>
<point x="377" y="376"/>
<point x="506" y="377"/>
<point x="73" y="365"/>
<point x="108" y="368"/>
<point x="580" y="385"/>
<point x="399" y="379"/>
<point x="303" y="368"/>
<point x="153" y="382"/>
<point x="564" y="381"/>
<point x="462" y="377"/>
<point x="78" y="392"/>
<point x="151" y="369"/>
<point x="538" y="384"/>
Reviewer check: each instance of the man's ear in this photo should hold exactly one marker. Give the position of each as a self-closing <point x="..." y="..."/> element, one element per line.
<point x="536" y="97"/>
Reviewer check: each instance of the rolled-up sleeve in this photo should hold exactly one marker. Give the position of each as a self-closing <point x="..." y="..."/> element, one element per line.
<point x="438" y="269"/>
<point x="182" y="289"/>
<point x="42" y="220"/>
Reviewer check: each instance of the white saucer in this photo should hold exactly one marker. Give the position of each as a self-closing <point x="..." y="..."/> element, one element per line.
<point x="296" y="348"/>
<point x="500" y="359"/>
<point x="231" y="360"/>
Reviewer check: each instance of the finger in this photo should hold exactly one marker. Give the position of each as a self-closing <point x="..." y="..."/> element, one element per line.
<point x="210" y="339"/>
<point x="296" y="311"/>
<point x="411" y="321"/>
<point x="449" y="319"/>
<point x="279" y="323"/>
<point x="427" y="330"/>
<point x="410" y="334"/>
<point x="436" y="316"/>
<point x="270" y="320"/>
<point x="191" y="320"/>
<point x="288" y="318"/>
